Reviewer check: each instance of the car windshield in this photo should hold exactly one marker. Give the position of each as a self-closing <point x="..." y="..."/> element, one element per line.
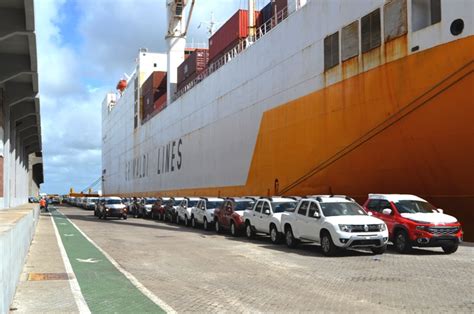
<point x="113" y="202"/>
<point x="342" y="209"/>
<point x="93" y="199"/>
<point x="413" y="207"/>
<point x="192" y="203"/>
<point x="214" y="204"/>
<point x="151" y="201"/>
<point x="280" y="207"/>
<point x="243" y="205"/>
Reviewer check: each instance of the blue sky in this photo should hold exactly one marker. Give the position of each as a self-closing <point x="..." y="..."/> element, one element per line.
<point x="84" y="47"/>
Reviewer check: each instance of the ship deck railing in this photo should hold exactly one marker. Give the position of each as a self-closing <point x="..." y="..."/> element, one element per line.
<point x="279" y="17"/>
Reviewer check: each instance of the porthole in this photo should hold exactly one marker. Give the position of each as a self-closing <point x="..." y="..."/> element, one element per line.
<point x="457" y="26"/>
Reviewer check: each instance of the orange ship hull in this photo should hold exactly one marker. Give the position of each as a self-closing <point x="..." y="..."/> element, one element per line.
<point x="406" y="126"/>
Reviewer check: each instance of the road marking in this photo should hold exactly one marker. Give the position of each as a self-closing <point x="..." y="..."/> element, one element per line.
<point x="69" y="235"/>
<point x="75" y="288"/>
<point x="89" y="260"/>
<point x="128" y="275"/>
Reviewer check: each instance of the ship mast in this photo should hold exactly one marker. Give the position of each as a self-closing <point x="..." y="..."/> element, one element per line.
<point x="176" y="40"/>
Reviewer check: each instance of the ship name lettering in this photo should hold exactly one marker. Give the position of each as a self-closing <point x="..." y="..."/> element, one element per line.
<point x="169" y="157"/>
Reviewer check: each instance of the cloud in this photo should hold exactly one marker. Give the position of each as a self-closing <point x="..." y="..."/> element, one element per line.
<point x="84" y="47"/>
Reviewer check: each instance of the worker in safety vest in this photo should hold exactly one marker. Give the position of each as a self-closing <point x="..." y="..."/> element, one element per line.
<point x="43" y="204"/>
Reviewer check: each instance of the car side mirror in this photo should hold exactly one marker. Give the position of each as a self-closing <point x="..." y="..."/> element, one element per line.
<point x="316" y="215"/>
<point x="267" y="212"/>
<point x="387" y="211"/>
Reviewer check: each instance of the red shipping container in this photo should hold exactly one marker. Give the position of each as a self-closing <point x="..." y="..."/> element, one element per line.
<point x="195" y="63"/>
<point x="278" y="5"/>
<point x="153" y="93"/>
<point x="153" y="81"/>
<point x="235" y="29"/>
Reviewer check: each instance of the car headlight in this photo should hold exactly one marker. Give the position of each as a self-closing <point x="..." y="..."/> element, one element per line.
<point x="422" y="228"/>
<point x="382" y="227"/>
<point x="107" y="209"/>
<point x="345" y="228"/>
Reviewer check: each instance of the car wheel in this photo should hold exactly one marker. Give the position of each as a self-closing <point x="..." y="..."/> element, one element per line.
<point x="449" y="249"/>
<point x="327" y="245"/>
<point x="274" y="234"/>
<point x="104" y="217"/>
<point x="206" y="226"/>
<point x="193" y="222"/>
<point x="124" y="217"/>
<point x="217" y="226"/>
<point x="186" y="221"/>
<point x="402" y="242"/>
<point x="290" y="238"/>
<point x="249" y="231"/>
<point x="379" y="250"/>
<point x="233" y="229"/>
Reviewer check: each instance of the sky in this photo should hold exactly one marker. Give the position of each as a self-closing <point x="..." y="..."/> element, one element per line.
<point x="84" y="47"/>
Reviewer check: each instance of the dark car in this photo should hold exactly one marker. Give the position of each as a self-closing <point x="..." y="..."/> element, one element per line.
<point x="230" y="215"/>
<point x="144" y="207"/>
<point x="171" y="208"/>
<point x="111" y="207"/>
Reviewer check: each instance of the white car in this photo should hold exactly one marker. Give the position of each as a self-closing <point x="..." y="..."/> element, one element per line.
<point x="265" y="216"/>
<point x="183" y="210"/>
<point x="334" y="222"/>
<point x="203" y="212"/>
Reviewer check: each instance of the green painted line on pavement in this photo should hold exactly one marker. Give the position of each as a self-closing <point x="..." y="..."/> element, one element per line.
<point x="104" y="287"/>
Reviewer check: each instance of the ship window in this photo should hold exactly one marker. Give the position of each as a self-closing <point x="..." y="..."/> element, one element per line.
<point x="425" y="13"/>
<point x="350" y="41"/>
<point x="331" y="51"/>
<point x="370" y="29"/>
<point x="395" y="19"/>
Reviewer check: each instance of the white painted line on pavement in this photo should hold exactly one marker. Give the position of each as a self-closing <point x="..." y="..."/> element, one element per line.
<point x="129" y="276"/>
<point x="75" y="288"/>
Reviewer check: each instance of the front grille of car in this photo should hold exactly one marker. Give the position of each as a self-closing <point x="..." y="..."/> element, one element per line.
<point x="362" y="228"/>
<point x="365" y="243"/>
<point x="443" y="230"/>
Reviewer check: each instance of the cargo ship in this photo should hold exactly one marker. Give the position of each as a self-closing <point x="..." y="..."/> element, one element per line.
<point x="303" y="97"/>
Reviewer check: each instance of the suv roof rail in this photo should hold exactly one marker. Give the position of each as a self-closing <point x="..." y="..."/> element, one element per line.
<point x="296" y="198"/>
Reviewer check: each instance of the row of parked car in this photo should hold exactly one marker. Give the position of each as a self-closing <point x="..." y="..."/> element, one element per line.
<point x="333" y="221"/>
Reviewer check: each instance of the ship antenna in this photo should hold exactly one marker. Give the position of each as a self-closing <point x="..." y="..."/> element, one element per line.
<point x="211" y="24"/>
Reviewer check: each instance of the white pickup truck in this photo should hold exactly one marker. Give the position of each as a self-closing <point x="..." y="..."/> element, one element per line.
<point x="265" y="216"/>
<point x="334" y="222"/>
<point x="203" y="212"/>
<point x="183" y="210"/>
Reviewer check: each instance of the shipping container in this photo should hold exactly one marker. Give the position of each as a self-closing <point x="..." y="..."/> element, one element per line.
<point x="235" y="29"/>
<point x="195" y="63"/>
<point x="266" y="12"/>
<point x="153" y="92"/>
<point x="278" y="5"/>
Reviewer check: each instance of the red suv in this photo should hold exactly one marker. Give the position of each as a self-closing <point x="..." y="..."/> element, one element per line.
<point x="412" y="221"/>
<point x="230" y="214"/>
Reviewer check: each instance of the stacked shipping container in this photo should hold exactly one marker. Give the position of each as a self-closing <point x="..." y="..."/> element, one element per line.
<point x="230" y="34"/>
<point x="195" y="62"/>
<point x="153" y="95"/>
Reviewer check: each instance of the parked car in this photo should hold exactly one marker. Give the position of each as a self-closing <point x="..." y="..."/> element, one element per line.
<point x="412" y="221"/>
<point x="183" y="210"/>
<point x="334" y="222"/>
<point x="158" y="209"/>
<point x="230" y="214"/>
<point x="91" y="201"/>
<point x="144" y="207"/>
<point x="171" y="208"/>
<point x="203" y="212"/>
<point x="112" y="207"/>
<point x="265" y="216"/>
